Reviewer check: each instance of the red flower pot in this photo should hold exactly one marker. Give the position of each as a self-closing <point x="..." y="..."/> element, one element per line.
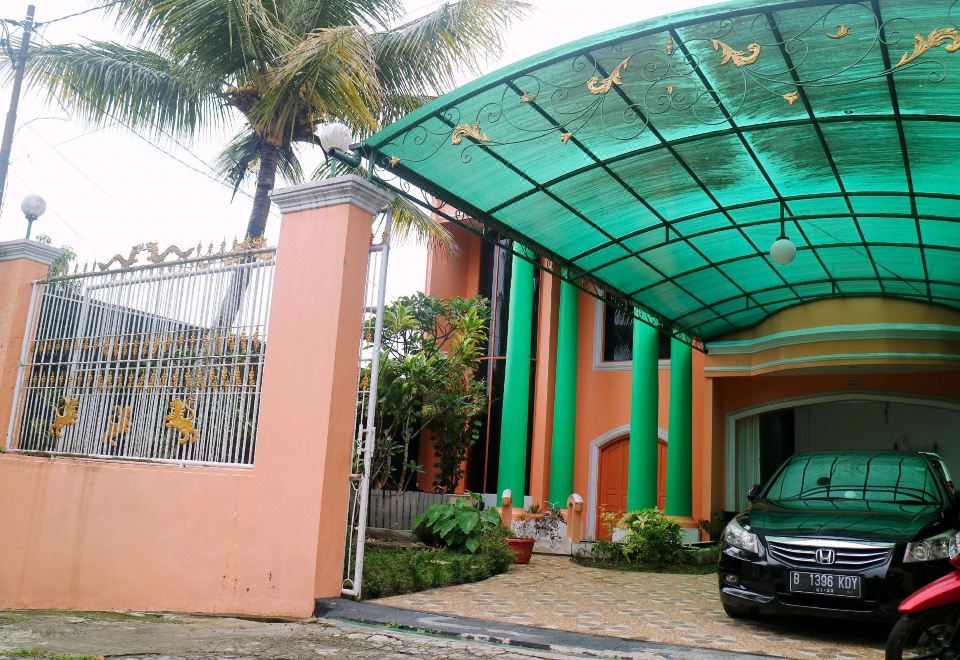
<point x="522" y="548"/>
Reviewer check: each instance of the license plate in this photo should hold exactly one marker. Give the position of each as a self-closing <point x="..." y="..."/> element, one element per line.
<point x="826" y="584"/>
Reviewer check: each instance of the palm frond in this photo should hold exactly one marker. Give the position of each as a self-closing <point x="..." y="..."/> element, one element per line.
<point x="410" y="222"/>
<point x="141" y="88"/>
<point x="425" y="56"/>
<point x="330" y="74"/>
<point x="305" y="16"/>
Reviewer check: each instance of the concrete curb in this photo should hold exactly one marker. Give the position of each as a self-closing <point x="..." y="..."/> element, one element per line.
<point x="529" y="637"/>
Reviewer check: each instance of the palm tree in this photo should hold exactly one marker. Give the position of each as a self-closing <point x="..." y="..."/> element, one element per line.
<point x="284" y="65"/>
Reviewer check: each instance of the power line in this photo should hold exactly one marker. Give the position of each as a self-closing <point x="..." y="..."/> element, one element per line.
<point x="80" y="13"/>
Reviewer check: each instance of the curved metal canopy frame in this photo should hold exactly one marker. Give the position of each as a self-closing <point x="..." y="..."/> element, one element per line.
<point x="662" y="159"/>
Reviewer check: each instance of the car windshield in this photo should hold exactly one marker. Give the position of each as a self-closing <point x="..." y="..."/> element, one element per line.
<point x="874" y="478"/>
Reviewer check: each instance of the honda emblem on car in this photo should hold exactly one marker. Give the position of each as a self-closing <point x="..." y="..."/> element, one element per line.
<point x="826" y="555"/>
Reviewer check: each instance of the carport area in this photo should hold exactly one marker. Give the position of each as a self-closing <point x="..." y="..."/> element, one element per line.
<point x="553" y="592"/>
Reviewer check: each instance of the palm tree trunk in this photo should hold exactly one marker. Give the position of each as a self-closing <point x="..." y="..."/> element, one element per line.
<point x="266" y="178"/>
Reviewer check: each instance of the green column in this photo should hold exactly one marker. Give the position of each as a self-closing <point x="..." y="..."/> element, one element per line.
<point x="644" y="392"/>
<point x="680" y="432"/>
<point x="564" y="398"/>
<point x="512" y="472"/>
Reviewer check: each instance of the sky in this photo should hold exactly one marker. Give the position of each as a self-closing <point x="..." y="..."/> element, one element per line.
<point x="108" y="189"/>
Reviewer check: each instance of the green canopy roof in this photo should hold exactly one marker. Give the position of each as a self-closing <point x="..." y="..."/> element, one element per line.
<point x="659" y="159"/>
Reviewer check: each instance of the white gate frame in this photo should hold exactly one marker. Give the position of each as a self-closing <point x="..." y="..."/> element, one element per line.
<point x="367" y="433"/>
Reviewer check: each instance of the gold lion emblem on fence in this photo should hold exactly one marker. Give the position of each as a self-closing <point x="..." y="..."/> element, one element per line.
<point x="181" y="418"/>
<point x="118" y="423"/>
<point x="66" y="415"/>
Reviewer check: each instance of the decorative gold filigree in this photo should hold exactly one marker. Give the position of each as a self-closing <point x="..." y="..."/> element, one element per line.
<point x="792" y="97"/>
<point x="471" y="131"/>
<point x="565" y="137"/>
<point x="842" y="31"/>
<point x="394" y="161"/>
<point x="118" y="423"/>
<point x="598" y="86"/>
<point x="669" y="44"/>
<point x="526" y="98"/>
<point x="157" y="257"/>
<point x="66" y="415"/>
<point x="181" y="418"/>
<point x="671" y="89"/>
<point x="738" y="57"/>
<point x="936" y="38"/>
<point x="124" y="262"/>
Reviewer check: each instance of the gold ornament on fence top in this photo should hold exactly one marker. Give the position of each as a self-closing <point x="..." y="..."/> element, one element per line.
<point x="181" y="418"/>
<point x="155" y="256"/>
<point x="118" y="423"/>
<point x="65" y="415"/>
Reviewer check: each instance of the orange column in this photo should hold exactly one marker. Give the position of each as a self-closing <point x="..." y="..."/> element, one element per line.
<point x="309" y="387"/>
<point x="21" y="262"/>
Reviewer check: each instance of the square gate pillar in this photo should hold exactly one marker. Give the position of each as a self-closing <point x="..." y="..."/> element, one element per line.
<point x="308" y="405"/>
<point x="21" y="262"/>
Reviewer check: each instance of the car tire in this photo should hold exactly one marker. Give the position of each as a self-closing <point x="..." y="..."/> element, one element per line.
<point x="908" y="633"/>
<point x="736" y="612"/>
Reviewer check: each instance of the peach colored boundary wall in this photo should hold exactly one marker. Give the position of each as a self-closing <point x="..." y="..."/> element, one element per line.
<point x="99" y="535"/>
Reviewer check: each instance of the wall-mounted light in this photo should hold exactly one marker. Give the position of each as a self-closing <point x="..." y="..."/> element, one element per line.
<point x="783" y="251"/>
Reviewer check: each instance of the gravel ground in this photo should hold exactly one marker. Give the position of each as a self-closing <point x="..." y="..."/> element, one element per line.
<point x="91" y="635"/>
<point x="553" y="592"/>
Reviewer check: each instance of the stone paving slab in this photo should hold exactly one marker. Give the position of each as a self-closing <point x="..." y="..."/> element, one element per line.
<point x="565" y="643"/>
<point x="552" y="592"/>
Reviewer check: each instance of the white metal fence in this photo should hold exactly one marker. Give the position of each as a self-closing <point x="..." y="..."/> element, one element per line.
<point x="160" y="361"/>
<point x="365" y="430"/>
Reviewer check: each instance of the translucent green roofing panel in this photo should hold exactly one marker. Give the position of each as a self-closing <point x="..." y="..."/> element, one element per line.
<point x="662" y="159"/>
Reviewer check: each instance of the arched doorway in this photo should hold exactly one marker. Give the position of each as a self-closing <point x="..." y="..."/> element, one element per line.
<point x="611" y="496"/>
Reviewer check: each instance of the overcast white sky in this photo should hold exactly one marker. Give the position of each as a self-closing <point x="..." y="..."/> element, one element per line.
<point x="107" y="189"/>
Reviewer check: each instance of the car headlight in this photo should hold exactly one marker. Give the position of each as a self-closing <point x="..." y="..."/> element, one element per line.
<point x="935" y="547"/>
<point x="734" y="534"/>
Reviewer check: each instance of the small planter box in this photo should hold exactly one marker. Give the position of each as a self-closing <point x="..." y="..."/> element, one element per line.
<point x="522" y="548"/>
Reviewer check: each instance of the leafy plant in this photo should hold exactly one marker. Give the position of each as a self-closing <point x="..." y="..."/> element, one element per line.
<point x="458" y="525"/>
<point x="650" y="538"/>
<point x="428" y="384"/>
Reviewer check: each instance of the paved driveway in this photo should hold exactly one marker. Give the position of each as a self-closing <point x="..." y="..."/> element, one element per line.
<point x="553" y="592"/>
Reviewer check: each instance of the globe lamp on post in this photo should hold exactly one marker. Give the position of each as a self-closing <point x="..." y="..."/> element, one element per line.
<point x="33" y="207"/>
<point x="334" y="136"/>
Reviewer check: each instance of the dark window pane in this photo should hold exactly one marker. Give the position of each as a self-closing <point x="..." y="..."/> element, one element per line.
<point x="618" y="336"/>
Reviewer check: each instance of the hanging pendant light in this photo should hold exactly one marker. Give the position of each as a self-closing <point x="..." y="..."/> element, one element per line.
<point x="783" y="251"/>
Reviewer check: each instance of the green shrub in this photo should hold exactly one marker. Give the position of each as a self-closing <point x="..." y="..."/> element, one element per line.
<point x="650" y="538"/>
<point x="394" y="571"/>
<point x="457" y="525"/>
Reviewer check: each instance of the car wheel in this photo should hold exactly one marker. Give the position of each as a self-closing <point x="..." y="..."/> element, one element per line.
<point x="736" y="612"/>
<point x="930" y="634"/>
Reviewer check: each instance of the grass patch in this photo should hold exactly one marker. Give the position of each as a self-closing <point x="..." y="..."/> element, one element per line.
<point x="637" y="567"/>
<point x="395" y="571"/>
<point x="40" y="653"/>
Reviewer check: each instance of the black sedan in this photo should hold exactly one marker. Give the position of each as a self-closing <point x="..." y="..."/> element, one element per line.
<point x="840" y="534"/>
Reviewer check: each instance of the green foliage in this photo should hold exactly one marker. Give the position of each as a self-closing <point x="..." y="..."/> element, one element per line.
<point x="61" y="265"/>
<point x="458" y="525"/>
<point x="393" y="571"/>
<point x="649" y="538"/>
<point x="279" y="66"/>
<point x="431" y="353"/>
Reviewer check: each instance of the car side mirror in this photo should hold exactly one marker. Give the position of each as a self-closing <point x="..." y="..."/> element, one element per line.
<point x="754" y="493"/>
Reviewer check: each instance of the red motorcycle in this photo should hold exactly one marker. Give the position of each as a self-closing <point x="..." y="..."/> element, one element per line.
<point x="930" y="625"/>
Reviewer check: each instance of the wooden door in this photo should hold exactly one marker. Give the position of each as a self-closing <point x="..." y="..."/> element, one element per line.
<point x="612" y="480"/>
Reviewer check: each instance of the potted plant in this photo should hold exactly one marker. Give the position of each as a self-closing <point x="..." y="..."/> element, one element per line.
<point x="521" y="546"/>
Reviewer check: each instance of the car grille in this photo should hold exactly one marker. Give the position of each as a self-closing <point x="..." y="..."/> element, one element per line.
<point x="846" y="555"/>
